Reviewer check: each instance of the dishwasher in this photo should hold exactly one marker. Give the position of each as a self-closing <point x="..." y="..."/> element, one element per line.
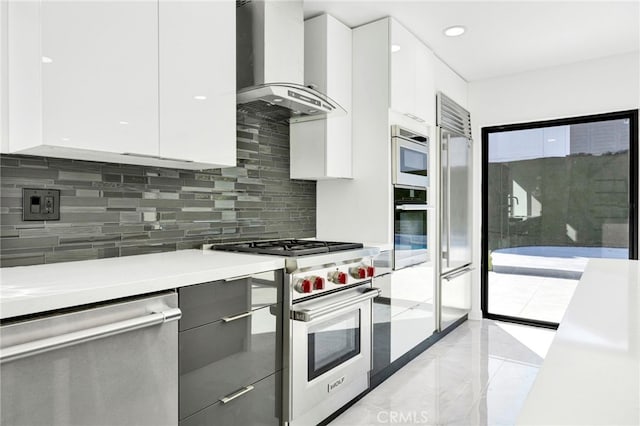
<point x="108" y="364"/>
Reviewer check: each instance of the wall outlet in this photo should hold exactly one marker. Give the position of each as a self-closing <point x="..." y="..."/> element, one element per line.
<point x="40" y="204"/>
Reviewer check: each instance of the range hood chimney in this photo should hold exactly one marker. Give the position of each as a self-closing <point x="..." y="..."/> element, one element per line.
<point x="270" y="63"/>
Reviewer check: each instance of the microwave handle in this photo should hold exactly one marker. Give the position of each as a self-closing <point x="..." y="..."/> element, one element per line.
<point x="409" y="207"/>
<point x="308" y="315"/>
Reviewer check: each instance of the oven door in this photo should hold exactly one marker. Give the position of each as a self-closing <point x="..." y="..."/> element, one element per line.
<point x="330" y="352"/>
<point x="411" y="234"/>
<point x="410" y="163"/>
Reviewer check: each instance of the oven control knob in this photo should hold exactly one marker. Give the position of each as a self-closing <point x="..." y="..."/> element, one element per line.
<point x="371" y="271"/>
<point x="338" y="277"/>
<point x="318" y="283"/>
<point x="358" y="272"/>
<point x="304" y="286"/>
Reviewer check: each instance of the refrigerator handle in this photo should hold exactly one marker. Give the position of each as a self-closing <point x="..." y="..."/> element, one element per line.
<point x="447" y="204"/>
<point x="443" y="199"/>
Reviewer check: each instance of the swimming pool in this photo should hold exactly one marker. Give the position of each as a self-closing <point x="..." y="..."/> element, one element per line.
<point x="568" y="252"/>
<point x="550" y="261"/>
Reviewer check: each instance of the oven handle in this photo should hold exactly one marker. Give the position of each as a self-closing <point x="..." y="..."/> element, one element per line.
<point x="308" y="315"/>
<point x="408" y="207"/>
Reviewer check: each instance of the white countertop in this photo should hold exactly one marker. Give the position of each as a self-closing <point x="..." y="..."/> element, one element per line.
<point x="31" y="289"/>
<point x="591" y="374"/>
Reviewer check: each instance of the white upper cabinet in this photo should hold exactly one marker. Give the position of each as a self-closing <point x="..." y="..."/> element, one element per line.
<point x="412" y="75"/>
<point x="77" y="81"/>
<point x="425" y="85"/>
<point x="198" y="81"/>
<point x="109" y="81"/>
<point x="403" y="50"/>
<point x="450" y="83"/>
<point x="100" y="88"/>
<point x="321" y="149"/>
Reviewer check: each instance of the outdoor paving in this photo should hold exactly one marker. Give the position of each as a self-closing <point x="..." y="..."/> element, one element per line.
<point x="529" y="296"/>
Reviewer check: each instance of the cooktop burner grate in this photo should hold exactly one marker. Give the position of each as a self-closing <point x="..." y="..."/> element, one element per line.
<point x="289" y="247"/>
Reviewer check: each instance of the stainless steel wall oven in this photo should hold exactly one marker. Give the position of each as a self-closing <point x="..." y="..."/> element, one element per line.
<point x="411" y="227"/>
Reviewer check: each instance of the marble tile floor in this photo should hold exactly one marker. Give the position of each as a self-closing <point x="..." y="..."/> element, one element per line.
<point x="479" y="374"/>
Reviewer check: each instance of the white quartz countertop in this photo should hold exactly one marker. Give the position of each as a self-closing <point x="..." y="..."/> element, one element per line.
<point x="31" y="289"/>
<point x="591" y="374"/>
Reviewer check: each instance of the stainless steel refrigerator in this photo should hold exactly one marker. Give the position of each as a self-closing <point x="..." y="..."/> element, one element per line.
<point x="453" y="272"/>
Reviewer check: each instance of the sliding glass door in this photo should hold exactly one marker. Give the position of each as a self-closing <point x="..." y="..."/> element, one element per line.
<point x="555" y="194"/>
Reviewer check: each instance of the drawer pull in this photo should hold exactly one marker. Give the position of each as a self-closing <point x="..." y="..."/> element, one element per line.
<point x="458" y="273"/>
<point x="236" y="317"/>
<point x="237" y="394"/>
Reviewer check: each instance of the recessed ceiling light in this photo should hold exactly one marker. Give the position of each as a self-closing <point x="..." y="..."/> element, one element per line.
<point x="200" y="98"/>
<point x="65" y="139"/>
<point x="277" y="100"/>
<point x="312" y="111"/>
<point x="46" y="60"/>
<point x="124" y="122"/>
<point x="395" y="48"/>
<point x="454" y="31"/>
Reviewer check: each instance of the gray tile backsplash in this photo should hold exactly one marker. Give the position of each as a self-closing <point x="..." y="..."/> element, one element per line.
<point x="110" y="210"/>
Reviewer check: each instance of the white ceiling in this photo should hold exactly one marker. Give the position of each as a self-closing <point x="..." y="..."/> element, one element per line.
<point x="504" y="37"/>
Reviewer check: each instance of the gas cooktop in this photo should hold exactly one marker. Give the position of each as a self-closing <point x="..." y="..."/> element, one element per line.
<point x="290" y="247"/>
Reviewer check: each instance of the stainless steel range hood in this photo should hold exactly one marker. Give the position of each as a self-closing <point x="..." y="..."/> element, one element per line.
<point x="270" y="63"/>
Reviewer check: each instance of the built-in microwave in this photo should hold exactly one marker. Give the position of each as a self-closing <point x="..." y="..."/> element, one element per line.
<point x="410" y="158"/>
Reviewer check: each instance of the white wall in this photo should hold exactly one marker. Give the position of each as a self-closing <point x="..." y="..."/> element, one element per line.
<point x="4" y="98"/>
<point x="584" y="88"/>
<point x="598" y="86"/>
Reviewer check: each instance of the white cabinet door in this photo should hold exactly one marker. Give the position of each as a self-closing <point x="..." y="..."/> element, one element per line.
<point x="139" y="82"/>
<point x="321" y="149"/>
<point x="450" y="83"/>
<point x="78" y="81"/>
<point x="412" y="75"/>
<point x="425" y="106"/>
<point x="412" y="309"/>
<point x="403" y="49"/>
<point x="198" y="81"/>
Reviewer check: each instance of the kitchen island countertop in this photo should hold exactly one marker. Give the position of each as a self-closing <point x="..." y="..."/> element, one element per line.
<point x="591" y="374"/>
<point x="33" y="289"/>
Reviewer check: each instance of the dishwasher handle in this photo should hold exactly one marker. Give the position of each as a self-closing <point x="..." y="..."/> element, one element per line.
<point x="24" y="350"/>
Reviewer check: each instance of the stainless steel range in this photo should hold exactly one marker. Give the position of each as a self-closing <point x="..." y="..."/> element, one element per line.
<point x="328" y="335"/>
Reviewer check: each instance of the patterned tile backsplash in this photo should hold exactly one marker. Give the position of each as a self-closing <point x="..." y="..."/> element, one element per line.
<point x="110" y="210"/>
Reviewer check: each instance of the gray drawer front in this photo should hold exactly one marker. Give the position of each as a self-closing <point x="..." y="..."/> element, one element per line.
<point x="258" y="407"/>
<point x="218" y="358"/>
<point x="209" y="302"/>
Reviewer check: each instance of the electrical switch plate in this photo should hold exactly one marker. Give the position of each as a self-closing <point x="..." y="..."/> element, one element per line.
<point x="40" y="204"/>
